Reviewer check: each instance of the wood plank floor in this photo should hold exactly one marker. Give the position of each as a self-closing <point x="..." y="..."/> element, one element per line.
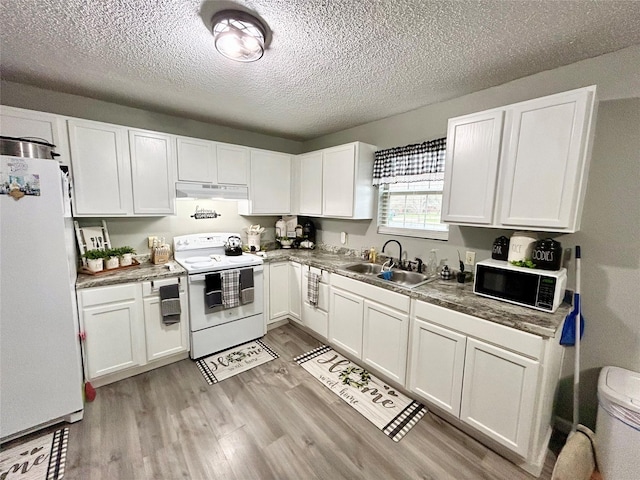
<point x="272" y="422"/>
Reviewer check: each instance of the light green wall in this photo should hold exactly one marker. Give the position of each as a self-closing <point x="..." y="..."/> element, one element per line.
<point x="610" y="233"/>
<point x="34" y="98"/>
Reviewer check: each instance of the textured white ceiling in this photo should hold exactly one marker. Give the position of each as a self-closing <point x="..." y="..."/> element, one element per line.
<point x="330" y="65"/>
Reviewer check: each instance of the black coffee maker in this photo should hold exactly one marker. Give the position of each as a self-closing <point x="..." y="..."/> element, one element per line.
<point x="309" y="231"/>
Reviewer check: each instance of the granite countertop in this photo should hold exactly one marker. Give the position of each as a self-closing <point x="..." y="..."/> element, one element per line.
<point x="447" y="294"/>
<point x="144" y="272"/>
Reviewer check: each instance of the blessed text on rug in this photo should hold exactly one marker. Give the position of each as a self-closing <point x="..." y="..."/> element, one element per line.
<point x="391" y="411"/>
<point x="40" y="459"/>
<point x="228" y="363"/>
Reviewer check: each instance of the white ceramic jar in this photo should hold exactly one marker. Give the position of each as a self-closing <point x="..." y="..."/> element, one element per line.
<point x="521" y="246"/>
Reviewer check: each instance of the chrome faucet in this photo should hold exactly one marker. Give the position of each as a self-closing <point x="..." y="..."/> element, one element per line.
<point x="399" y="256"/>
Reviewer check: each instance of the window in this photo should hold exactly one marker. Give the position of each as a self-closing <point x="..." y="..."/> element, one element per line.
<point x="412" y="209"/>
<point x="410" y="181"/>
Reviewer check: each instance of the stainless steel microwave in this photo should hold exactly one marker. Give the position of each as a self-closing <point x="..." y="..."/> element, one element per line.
<point x="529" y="287"/>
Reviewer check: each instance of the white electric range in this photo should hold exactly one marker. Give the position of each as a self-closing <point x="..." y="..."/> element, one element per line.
<point x="217" y="328"/>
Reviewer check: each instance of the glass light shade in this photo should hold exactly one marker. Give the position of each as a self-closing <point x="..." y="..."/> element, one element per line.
<point x="238" y="35"/>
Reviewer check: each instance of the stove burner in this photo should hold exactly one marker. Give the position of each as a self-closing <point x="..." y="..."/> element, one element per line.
<point x="202" y="264"/>
<point x="197" y="260"/>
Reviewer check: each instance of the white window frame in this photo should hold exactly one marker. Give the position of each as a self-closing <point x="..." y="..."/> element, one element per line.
<point x="430" y="231"/>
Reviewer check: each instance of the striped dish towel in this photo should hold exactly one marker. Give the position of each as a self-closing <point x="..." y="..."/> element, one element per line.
<point x="230" y="288"/>
<point x="312" y="288"/>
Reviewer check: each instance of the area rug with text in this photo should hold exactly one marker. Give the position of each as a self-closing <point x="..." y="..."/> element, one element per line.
<point x="391" y="411"/>
<point x="40" y="459"/>
<point x="233" y="361"/>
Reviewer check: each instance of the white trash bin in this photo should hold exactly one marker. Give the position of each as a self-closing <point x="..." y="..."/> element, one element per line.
<point x="618" y="424"/>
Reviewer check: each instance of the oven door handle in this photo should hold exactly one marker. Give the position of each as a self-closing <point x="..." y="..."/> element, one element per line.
<point x="196" y="278"/>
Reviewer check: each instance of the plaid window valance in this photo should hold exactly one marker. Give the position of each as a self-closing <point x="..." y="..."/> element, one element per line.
<point x="411" y="163"/>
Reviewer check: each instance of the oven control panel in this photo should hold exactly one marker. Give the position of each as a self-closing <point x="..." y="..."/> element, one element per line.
<point x="200" y="240"/>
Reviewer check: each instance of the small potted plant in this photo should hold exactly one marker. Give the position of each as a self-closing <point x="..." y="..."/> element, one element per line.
<point x="111" y="259"/>
<point x="95" y="260"/>
<point x="126" y="255"/>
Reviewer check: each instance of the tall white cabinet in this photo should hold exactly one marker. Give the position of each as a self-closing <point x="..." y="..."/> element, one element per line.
<point x="521" y="166"/>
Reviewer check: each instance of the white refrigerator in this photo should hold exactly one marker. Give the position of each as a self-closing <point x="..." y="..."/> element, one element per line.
<point x="40" y="365"/>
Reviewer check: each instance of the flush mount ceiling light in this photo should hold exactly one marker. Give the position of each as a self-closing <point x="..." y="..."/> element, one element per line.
<point x="238" y="35"/>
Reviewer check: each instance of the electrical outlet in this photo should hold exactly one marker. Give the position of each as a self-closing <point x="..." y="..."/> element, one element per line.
<point x="470" y="258"/>
<point x="151" y="240"/>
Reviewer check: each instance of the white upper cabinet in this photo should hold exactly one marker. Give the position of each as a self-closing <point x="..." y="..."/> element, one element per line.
<point x="232" y="164"/>
<point x="529" y="171"/>
<point x="101" y="169"/>
<point x="270" y="184"/>
<point x="337" y="182"/>
<point x="347" y="177"/>
<point x="118" y="171"/>
<point x="470" y="186"/>
<point x="17" y="122"/>
<point x="152" y="172"/>
<point x="196" y="160"/>
<point x="546" y="161"/>
<point x="310" y="195"/>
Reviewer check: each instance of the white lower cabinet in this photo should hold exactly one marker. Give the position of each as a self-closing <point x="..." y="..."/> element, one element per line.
<point x="497" y="380"/>
<point x="163" y="340"/>
<point x="437" y="364"/>
<point x="295" y="290"/>
<point x="278" y="291"/>
<point x="385" y="336"/>
<point x="123" y="332"/>
<point x="316" y="317"/>
<point x="499" y="394"/>
<point x="112" y="327"/>
<point x="371" y="323"/>
<point x="345" y="321"/>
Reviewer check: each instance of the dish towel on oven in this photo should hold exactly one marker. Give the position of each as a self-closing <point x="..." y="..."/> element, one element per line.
<point x="246" y="286"/>
<point x="231" y="288"/>
<point x="213" y="290"/>
<point x="170" y="304"/>
<point x="312" y="288"/>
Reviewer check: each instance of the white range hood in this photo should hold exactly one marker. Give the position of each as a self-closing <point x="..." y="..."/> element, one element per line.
<point x="209" y="190"/>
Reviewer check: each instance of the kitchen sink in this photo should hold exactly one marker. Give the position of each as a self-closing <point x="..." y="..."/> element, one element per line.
<point x="405" y="278"/>
<point x="364" y="268"/>
<point x="399" y="277"/>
